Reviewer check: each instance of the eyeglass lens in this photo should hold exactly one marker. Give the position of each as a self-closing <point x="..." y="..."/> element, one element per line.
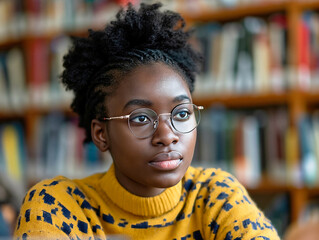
<point x="184" y="119"/>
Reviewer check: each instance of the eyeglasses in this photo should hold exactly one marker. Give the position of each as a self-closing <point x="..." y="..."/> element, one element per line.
<point x="143" y="122"/>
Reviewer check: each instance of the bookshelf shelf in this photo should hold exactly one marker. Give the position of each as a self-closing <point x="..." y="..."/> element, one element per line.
<point x="10" y="43"/>
<point x="244" y="100"/>
<point x="35" y="111"/>
<point x="269" y="185"/>
<point x="233" y="13"/>
<point x="9" y="115"/>
<point x="311" y="97"/>
<point x="48" y="36"/>
<point x="261" y="8"/>
<point x="308" y="5"/>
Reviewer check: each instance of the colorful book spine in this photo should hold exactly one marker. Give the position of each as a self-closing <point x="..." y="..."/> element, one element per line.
<point x="13" y="150"/>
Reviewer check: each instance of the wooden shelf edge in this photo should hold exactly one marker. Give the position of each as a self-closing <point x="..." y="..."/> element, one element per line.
<point x="244" y="100"/>
<point x="227" y="100"/>
<point x="311" y="97"/>
<point x="271" y="187"/>
<point x="11" y="42"/>
<point x="308" y="5"/>
<point x="35" y="111"/>
<point x="251" y="9"/>
<point x="257" y="99"/>
<point x="227" y="14"/>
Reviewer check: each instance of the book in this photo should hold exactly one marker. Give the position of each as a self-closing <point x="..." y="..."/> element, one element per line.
<point x="4" y="19"/>
<point x="292" y="157"/>
<point x="262" y="119"/>
<point x="277" y="34"/>
<point x="73" y="155"/>
<point x="58" y="96"/>
<point x="208" y="41"/>
<point x="205" y="141"/>
<point x="230" y="36"/>
<point x="38" y="74"/>
<point x="17" y="90"/>
<point x="308" y="164"/>
<point x="231" y="119"/>
<point x="239" y="161"/>
<point x="261" y="56"/>
<point x="218" y="123"/>
<point x="4" y="97"/>
<point x="54" y="125"/>
<point x="244" y="67"/>
<point x="12" y="151"/>
<point x="276" y="129"/>
<point x="312" y="20"/>
<point x="315" y="124"/>
<point x="251" y="152"/>
<point x="303" y="71"/>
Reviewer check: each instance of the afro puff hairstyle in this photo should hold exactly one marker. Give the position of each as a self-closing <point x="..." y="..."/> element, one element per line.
<point x="93" y="65"/>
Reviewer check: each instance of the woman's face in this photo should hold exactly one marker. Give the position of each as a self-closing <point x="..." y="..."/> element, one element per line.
<point x="147" y="166"/>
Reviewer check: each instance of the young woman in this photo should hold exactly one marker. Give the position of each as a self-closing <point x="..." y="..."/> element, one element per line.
<point x="132" y="84"/>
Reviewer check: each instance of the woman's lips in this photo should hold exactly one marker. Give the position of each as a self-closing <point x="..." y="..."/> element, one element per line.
<point x="167" y="160"/>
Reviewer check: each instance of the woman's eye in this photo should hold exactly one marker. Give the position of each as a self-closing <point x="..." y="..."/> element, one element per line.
<point x="140" y="119"/>
<point x="182" y="115"/>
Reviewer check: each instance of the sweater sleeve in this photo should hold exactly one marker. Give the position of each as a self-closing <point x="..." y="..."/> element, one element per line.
<point x="231" y="213"/>
<point x="52" y="210"/>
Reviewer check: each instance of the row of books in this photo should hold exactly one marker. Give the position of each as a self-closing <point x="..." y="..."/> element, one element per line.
<point x="198" y="6"/>
<point x="250" y="55"/>
<point x="256" y="143"/>
<point x="42" y="66"/>
<point x="57" y="148"/>
<point x="248" y="144"/>
<point x="19" y="18"/>
<point x="37" y="17"/>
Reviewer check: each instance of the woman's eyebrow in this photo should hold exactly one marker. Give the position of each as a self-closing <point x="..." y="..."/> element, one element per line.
<point x="138" y="102"/>
<point x="147" y="103"/>
<point x="181" y="98"/>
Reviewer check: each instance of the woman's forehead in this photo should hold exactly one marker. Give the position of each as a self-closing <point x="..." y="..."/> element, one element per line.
<point x="154" y="83"/>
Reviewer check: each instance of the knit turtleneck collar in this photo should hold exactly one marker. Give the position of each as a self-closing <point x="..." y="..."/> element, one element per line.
<point x="142" y="206"/>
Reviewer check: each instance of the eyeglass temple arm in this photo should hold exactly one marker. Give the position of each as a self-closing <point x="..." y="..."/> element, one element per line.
<point x="119" y="117"/>
<point x="127" y="116"/>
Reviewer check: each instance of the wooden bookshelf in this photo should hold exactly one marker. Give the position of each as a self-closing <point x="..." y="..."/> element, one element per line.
<point x="296" y="100"/>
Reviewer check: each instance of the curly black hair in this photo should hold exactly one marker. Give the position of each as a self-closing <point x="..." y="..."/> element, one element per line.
<point x="94" y="65"/>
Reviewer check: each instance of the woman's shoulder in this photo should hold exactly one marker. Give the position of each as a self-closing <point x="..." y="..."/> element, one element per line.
<point x="58" y="183"/>
<point x="51" y="191"/>
<point x="59" y="190"/>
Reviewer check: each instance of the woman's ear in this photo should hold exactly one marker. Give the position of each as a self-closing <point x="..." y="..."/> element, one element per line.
<point x="99" y="135"/>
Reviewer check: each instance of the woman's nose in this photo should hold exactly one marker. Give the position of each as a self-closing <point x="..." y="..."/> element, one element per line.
<point x="164" y="134"/>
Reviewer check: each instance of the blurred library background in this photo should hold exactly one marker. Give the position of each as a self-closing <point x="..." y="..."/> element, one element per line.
<point x="259" y="87"/>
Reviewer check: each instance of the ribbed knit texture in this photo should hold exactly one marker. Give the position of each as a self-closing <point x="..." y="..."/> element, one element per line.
<point x="205" y="204"/>
<point x="148" y="206"/>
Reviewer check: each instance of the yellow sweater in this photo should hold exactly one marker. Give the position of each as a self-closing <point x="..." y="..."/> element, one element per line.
<point x="206" y="204"/>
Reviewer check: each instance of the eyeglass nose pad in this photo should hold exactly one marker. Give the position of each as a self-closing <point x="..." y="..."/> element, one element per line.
<point x="155" y="124"/>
